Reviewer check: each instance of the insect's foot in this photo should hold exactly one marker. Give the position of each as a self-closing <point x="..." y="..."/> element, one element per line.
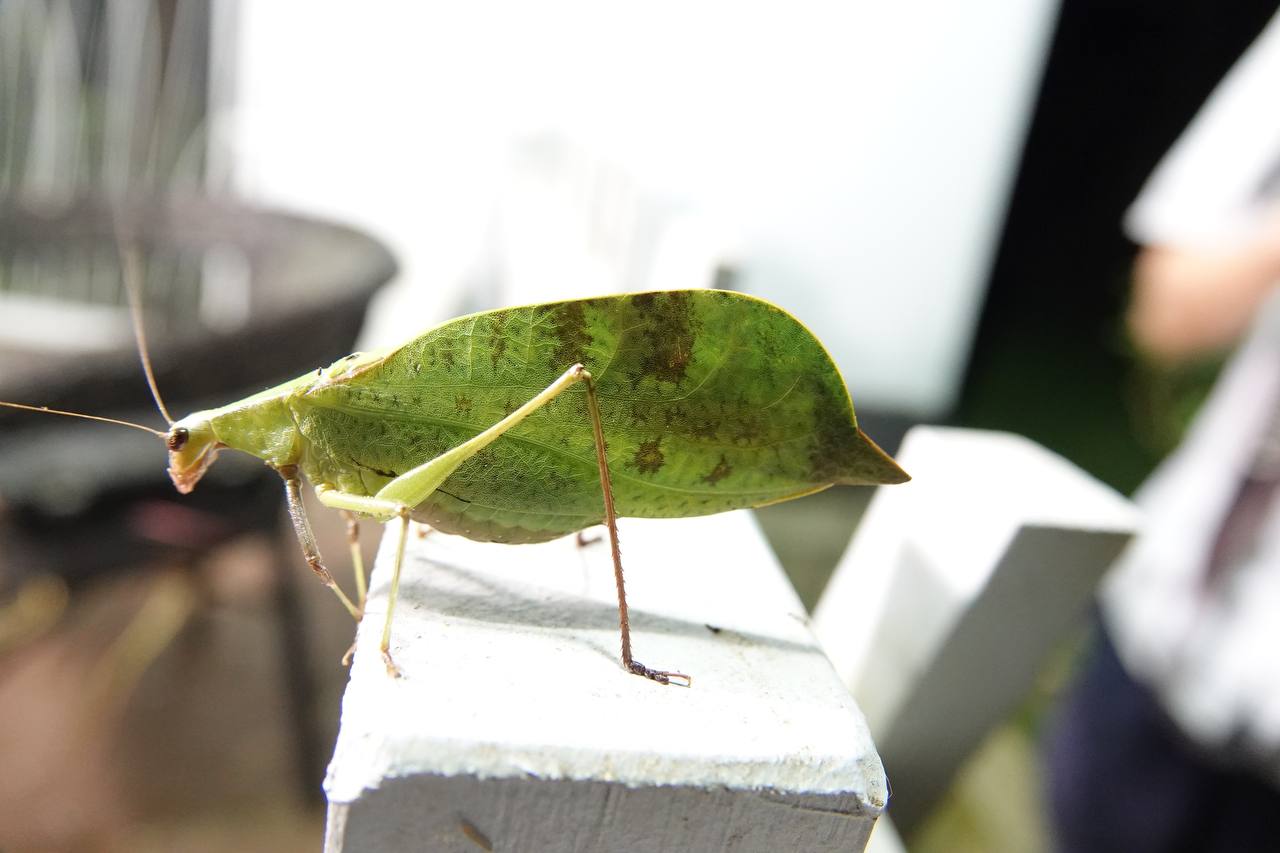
<point x="392" y="669"/>
<point x="584" y="540"/>
<point x="679" y="679"/>
<point x="350" y="653"/>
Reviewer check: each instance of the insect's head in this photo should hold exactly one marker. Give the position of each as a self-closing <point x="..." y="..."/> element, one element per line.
<point x="192" y="449"/>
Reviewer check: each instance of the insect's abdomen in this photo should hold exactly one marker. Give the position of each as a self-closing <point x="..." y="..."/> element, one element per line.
<point x="710" y="401"/>
<point x="449" y="515"/>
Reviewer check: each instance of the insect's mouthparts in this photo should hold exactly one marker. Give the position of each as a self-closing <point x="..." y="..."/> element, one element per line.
<point x="186" y="476"/>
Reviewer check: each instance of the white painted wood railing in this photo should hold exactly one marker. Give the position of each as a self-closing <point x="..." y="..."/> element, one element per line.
<point x="956" y="588"/>
<point x="515" y="728"/>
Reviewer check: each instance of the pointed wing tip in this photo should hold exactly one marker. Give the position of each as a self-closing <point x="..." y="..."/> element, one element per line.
<point x="898" y="476"/>
<point x="876" y="467"/>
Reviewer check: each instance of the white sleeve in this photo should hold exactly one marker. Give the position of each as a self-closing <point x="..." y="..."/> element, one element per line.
<point x="1214" y="183"/>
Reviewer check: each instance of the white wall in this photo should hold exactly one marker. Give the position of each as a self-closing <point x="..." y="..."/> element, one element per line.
<point x="862" y="152"/>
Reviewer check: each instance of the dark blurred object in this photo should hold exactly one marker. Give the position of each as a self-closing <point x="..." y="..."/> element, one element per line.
<point x="1171" y="739"/>
<point x="1050" y="361"/>
<point x="83" y="500"/>
<point x="127" y="101"/>
<point x="304" y="287"/>
<point x="1125" y="778"/>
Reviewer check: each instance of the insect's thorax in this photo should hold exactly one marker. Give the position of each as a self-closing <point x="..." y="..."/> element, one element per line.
<point x="262" y="425"/>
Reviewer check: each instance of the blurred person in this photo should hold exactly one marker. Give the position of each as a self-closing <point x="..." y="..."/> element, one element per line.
<point x="1170" y="740"/>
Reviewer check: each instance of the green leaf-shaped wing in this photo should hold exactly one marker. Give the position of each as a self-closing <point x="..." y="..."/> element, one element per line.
<point x="711" y="400"/>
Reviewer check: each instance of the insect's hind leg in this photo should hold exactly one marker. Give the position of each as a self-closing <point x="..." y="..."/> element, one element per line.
<point x="611" y="523"/>
<point x="413" y="487"/>
<point x="307" y="539"/>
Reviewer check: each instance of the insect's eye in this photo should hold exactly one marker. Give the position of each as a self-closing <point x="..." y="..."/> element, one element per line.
<point x="178" y="438"/>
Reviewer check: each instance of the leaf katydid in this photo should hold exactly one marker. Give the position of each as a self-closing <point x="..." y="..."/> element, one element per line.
<point x="526" y="424"/>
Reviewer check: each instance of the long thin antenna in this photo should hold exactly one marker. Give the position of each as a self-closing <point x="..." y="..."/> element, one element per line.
<point x="131" y="273"/>
<point x="49" y="411"/>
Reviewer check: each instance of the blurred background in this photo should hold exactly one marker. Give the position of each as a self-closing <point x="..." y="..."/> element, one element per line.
<point x="936" y="189"/>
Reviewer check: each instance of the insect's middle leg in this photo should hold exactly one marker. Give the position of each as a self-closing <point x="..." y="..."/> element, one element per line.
<point x="379" y="508"/>
<point x="357" y="559"/>
<point x="411" y="488"/>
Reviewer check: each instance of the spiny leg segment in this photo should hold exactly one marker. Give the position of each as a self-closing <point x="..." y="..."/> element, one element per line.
<point x="307" y="539"/>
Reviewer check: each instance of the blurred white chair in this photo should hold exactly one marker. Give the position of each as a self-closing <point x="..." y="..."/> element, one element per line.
<point x="572" y="223"/>
<point x="567" y="223"/>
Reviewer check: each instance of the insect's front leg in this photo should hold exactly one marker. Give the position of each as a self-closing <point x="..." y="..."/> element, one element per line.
<point x="307" y="539"/>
